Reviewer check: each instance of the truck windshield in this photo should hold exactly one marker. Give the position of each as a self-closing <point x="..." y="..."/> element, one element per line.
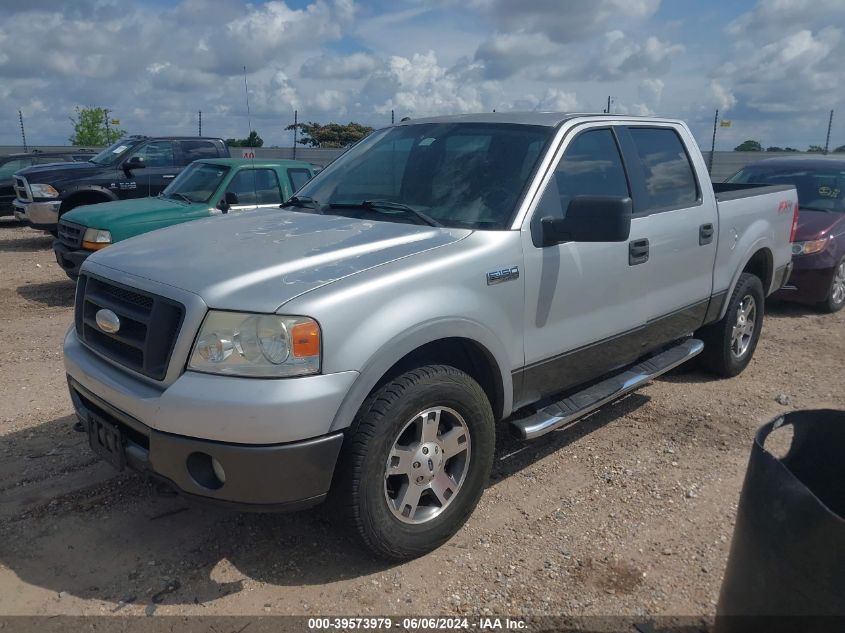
<point x="819" y="188"/>
<point x="114" y="152"/>
<point x="197" y="182"/>
<point x="468" y="175"/>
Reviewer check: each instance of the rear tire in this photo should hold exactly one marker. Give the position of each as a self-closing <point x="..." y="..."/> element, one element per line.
<point x="729" y="344"/>
<point x="415" y="461"/>
<point x="836" y="294"/>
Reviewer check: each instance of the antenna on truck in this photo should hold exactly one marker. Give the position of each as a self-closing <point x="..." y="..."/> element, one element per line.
<point x="252" y="153"/>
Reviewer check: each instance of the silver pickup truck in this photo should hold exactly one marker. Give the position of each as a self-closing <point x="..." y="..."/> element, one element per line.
<point x="442" y="275"/>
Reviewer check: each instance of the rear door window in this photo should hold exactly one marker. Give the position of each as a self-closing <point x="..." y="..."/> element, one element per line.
<point x="196" y="150"/>
<point x="667" y="175"/>
<point x="256" y="187"/>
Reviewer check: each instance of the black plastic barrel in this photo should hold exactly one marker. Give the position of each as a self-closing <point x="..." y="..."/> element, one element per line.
<point x="786" y="569"/>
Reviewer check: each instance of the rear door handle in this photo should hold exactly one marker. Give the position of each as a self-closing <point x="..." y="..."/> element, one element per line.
<point x="166" y="176"/>
<point x="705" y="234"/>
<point x="637" y="252"/>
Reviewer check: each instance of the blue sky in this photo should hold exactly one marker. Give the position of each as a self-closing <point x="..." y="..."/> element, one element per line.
<point x="773" y="67"/>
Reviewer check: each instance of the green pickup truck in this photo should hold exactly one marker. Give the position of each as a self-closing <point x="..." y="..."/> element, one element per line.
<point x="204" y="188"/>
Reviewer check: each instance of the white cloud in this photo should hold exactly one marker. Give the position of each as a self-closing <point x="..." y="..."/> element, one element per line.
<point x="355" y="66"/>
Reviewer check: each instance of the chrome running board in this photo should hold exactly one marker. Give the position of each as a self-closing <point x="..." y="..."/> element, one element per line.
<point x="579" y="404"/>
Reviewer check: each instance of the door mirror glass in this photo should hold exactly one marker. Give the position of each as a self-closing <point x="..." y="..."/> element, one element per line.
<point x="590" y="219"/>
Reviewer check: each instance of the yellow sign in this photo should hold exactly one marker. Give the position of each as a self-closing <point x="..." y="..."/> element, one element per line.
<point x="115" y="121"/>
<point x="725" y="123"/>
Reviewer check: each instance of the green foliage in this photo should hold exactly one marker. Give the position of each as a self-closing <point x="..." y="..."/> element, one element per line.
<point x="839" y="150"/>
<point x="749" y="146"/>
<point x="330" y="134"/>
<point x="253" y="140"/>
<point x="775" y="148"/>
<point x="90" y="129"/>
<point x="816" y="149"/>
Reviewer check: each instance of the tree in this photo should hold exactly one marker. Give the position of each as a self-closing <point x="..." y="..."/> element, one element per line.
<point x="330" y="134"/>
<point x="90" y="128"/>
<point x="775" y="148"/>
<point x="839" y="150"/>
<point x="816" y="149"/>
<point x="749" y="146"/>
<point x="253" y="140"/>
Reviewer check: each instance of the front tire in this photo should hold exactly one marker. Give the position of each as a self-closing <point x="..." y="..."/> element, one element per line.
<point x="729" y="344"/>
<point x="836" y="295"/>
<point x="416" y="461"/>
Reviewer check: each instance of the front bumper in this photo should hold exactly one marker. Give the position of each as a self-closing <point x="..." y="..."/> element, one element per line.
<point x="40" y="215"/>
<point x="257" y="478"/>
<point x="70" y="260"/>
<point x="272" y="437"/>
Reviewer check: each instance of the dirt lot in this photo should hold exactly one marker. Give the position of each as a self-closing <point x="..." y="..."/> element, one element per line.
<point x="628" y="512"/>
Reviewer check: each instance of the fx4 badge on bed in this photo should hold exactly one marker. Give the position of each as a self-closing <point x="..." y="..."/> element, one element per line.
<point x="505" y="274"/>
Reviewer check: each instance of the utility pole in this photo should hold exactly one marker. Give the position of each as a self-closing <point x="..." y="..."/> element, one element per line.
<point x="23" y="132"/>
<point x="609" y="101"/>
<point x="713" y="143"/>
<point x="392" y="118"/>
<point x="295" y="130"/>
<point x="108" y="137"/>
<point x="200" y="122"/>
<point x="829" y="125"/>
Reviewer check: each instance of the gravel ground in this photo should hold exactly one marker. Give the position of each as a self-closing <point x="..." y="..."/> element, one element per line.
<point x="628" y="512"/>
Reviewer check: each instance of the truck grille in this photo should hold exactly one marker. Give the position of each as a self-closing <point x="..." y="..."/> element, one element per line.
<point x="71" y="234"/>
<point x="22" y="189"/>
<point x="149" y="325"/>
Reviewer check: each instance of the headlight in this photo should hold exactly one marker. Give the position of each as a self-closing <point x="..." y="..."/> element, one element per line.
<point x="258" y="345"/>
<point x="808" y="248"/>
<point x="95" y="239"/>
<point x="43" y="191"/>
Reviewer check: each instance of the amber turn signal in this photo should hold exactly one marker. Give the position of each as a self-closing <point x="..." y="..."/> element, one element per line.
<point x="305" y="339"/>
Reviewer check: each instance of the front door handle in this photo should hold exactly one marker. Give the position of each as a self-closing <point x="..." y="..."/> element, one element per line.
<point x="168" y="176"/>
<point x="705" y="234"/>
<point x="637" y="252"/>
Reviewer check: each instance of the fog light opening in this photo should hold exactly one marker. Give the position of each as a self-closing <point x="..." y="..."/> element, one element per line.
<point x="206" y="471"/>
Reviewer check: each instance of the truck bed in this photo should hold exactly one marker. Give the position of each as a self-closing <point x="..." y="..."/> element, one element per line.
<point x="734" y="191"/>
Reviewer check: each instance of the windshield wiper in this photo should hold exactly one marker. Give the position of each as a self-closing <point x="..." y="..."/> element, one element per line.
<point x="179" y="196"/>
<point x="303" y="202"/>
<point x="384" y="205"/>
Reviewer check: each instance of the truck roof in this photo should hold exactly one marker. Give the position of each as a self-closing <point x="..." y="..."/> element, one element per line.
<point x="549" y="119"/>
<point x="257" y="162"/>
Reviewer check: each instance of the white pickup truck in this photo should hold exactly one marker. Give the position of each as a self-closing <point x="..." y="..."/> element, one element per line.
<point x="442" y="275"/>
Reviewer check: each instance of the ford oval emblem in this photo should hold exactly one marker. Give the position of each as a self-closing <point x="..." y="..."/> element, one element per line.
<point x="107" y="321"/>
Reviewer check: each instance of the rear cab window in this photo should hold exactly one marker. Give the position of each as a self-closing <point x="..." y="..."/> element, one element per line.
<point x="298" y="176"/>
<point x="663" y="177"/>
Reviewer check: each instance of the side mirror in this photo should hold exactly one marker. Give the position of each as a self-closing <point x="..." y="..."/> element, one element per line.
<point x="229" y="198"/>
<point x="134" y="162"/>
<point x="590" y="219"/>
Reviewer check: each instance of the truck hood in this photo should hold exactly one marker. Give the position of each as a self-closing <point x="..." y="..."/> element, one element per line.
<point x="257" y="261"/>
<point x="106" y="214"/>
<point x="55" y="172"/>
<point x="813" y="225"/>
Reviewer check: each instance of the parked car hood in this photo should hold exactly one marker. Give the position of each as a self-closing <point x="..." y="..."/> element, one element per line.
<point x="812" y="225"/>
<point x="53" y="172"/>
<point x="123" y="212"/>
<point x="260" y="260"/>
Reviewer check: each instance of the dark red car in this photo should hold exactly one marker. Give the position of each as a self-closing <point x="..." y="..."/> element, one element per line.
<point x="818" y="249"/>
